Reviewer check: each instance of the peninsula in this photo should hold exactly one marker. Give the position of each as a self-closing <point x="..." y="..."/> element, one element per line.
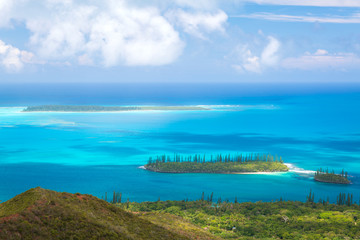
<point x="227" y="164"/>
<point x="330" y="177"/>
<point x="90" y="108"/>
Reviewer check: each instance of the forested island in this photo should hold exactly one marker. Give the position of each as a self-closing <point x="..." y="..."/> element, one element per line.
<point x="228" y="163"/>
<point x="89" y="108"/>
<point x="330" y="177"/>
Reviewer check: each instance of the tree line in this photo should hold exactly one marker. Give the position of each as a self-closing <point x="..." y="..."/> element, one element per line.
<point x="197" y="158"/>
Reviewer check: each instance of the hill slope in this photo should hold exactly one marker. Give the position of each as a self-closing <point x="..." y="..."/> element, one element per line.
<point x="44" y="214"/>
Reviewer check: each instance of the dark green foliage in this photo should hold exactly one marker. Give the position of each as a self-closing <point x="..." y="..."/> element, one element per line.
<point x="72" y="108"/>
<point x="44" y="214"/>
<point x="117" y="197"/>
<point x="264" y="220"/>
<point x="330" y="177"/>
<point x="343" y="199"/>
<point x="228" y="163"/>
<point x="311" y="197"/>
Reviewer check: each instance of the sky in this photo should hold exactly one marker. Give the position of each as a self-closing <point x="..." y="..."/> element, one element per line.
<point x="186" y="41"/>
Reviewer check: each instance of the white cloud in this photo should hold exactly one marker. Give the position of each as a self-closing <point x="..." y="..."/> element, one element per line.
<point x="85" y="60"/>
<point x="5" y="12"/>
<point x="250" y="62"/>
<point x="113" y="31"/>
<point x="322" y="60"/>
<point x="269" y="55"/>
<point x="213" y="4"/>
<point x="355" y="18"/>
<point x="199" y="23"/>
<point x="198" y="4"/>
<point x="321" y="52"/>
<point x="12" y="58"/>
<point x="314" y="3"/>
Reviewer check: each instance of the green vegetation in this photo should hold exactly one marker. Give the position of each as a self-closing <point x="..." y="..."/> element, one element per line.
<point x="330" y="177"/>
<point x="45" y="214"/>
<point x="260" y="220"/>
<point x="71" y="108"/>
<point x="216" y="164"/>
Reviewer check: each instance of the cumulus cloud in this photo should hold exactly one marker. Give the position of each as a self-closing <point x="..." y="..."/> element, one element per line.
<point x="257" y="63"/>
<point x="322" y="60"/>
<point x="114" y="32"/>
<point x="111" y="33"/>
<point x="12" y="58"/>
<point x="199" y="23"/>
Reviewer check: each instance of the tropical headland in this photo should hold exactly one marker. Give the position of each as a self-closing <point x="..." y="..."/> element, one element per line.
<point x="330" y="177"/>
<point x="44" y="214"/>
<point x="89" y="108"/>
<point x="226" y="164"/>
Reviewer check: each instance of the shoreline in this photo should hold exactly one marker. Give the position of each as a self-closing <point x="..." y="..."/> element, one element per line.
<point x="258" y="173"/>
<point x="146" y="108"/>
<point x="102" y="109"/>
<point x="322" y="181"/>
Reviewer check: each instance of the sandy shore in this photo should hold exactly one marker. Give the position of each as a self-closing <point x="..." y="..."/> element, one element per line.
<point x="257" y="173"/>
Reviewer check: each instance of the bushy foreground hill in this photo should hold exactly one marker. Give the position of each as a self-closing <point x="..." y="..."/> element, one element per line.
<point x="260" y="220"/>
<point x="44" y="214"/>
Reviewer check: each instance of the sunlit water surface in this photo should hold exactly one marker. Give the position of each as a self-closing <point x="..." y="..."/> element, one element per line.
<point x="101" y="152"/>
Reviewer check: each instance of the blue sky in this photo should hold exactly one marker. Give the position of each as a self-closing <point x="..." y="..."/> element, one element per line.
<point x="239" y="41"/>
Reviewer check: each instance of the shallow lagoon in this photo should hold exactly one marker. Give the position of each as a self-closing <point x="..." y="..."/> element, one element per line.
<point x="100" y="152"/>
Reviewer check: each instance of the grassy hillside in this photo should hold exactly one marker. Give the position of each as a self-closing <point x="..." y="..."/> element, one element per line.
<point x="44" y="214"/>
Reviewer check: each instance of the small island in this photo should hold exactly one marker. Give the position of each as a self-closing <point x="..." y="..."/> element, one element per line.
<point x="89" y="108"/>
<point x="330" y="177"/>
<point x="226" y="164"/>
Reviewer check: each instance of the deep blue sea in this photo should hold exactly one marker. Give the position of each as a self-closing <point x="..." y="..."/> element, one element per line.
<point x="310" y="126"/>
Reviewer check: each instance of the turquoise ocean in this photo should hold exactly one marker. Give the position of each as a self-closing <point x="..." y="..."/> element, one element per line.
<point x="95" y="153"/>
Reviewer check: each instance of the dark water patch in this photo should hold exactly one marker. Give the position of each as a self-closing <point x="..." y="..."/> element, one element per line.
<point x="116" y="150"/>
<point x="341" y="145"/>
<point x="248" y="142"/>
<point x="229" y="141"/>
<point x="6" y="152"/>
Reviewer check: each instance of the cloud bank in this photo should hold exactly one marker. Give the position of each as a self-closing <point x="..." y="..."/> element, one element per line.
<point x="115" y="33"/>
<point x="108" y="33"/>
<point x="322" y="60"/>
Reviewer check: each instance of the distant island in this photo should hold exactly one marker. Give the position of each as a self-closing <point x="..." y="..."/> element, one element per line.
<point x="227" y="164"/>
<point x="330" y="177"/>
<point x="73" y="108"/>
